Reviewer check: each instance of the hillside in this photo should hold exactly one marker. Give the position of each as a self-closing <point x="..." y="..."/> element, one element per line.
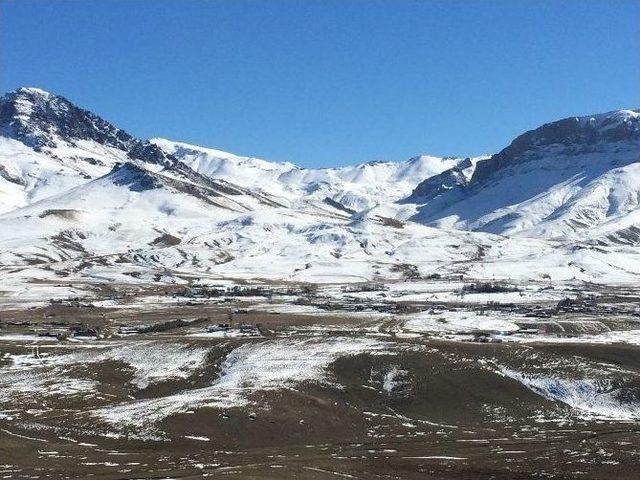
<point x="83" y="200"/>
<point x="561" y="180"/>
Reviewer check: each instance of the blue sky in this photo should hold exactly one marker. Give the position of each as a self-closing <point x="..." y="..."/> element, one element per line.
<point x="322" y="82"/>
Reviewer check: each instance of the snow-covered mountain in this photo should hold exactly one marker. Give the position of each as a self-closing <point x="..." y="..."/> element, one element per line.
<point x="356" y="187"/>
<point x="81" y="195"/>
<point x="49" y="145"/>
<point x="81" y="199"/>
<point x="564" y="179"/>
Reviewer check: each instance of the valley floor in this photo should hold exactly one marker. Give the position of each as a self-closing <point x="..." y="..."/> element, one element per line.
<point x="424" y="379"/>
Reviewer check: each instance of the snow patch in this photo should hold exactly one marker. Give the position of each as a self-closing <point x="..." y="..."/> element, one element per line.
<point x="588" y="397"/>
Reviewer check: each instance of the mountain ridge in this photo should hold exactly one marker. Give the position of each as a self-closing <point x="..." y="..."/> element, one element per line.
<point x="38" y="118"/>
<point x="557" y="180"/>
<point x="82" y="201"/>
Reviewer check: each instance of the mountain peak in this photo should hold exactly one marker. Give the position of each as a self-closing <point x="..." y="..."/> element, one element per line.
<point x="570" y="136"/>
<point x="33" y="91"/>
<point x="45" y="121"/>
<point x="41" y="119"/>
<point x="614" y="117"/>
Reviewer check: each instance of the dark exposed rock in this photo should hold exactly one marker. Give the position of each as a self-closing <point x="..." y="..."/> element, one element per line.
<point x="11" y="178"/>
<point x="331" y="202"/>
<point x="41" y="120"/>
<point x="454" y="178"/>
<point x="137" y="179"/>
<point x="575" y="135"/>
<point x="434" y="186"/>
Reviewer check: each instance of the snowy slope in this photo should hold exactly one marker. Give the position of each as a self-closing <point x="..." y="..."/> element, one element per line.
<point x="48" y="145"/>
<point x="562" y="178"/>
<point x="81" y="200"/>
<point x="356" y="187"/>
<point x="141" y="223"/>
<point x="124" y="210"/>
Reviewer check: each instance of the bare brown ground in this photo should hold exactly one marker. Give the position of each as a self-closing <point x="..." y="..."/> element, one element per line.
<point x="454" y="420"/>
